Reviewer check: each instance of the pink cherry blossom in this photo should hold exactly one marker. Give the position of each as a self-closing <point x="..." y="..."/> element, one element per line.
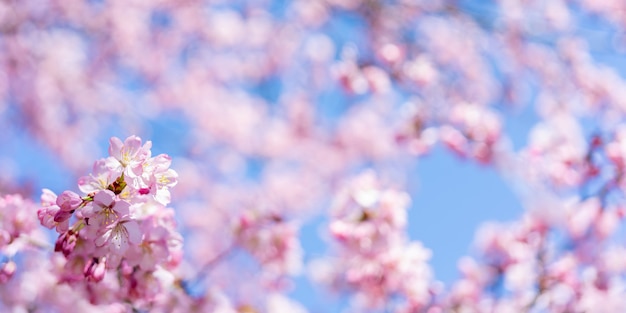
<point x="130" y="153"/>
<point x="118" y="236"/>
<point x="105" y="210"/>
<point x="283" y="116"/>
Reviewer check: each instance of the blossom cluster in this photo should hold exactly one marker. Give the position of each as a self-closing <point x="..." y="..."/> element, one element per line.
<point x="120" y="227"/>
<point x="375" y="260"/>
<point x="17" y="231"/>
<point x="272" y="240"/>
<point x="522" y="269"/>
<point x="288" y="98"/>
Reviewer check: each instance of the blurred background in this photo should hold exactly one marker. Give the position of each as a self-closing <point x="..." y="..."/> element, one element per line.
<point x="274" y="104"/>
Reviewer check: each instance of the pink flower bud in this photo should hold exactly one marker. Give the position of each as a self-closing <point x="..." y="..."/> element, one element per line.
<point x="66" y="242"/>
<point x="95" y="269"/>
<point x="62" y="216"/>
<point x="68" y="201"/>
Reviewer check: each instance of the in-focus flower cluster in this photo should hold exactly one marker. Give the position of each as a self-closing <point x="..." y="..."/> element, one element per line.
<point x="120" y="225"/>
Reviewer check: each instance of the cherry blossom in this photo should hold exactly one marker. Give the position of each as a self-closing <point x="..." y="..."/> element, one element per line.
<point x="289" y="124"/>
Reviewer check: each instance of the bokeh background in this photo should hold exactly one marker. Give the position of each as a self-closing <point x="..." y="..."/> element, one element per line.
<point x="276" y="103"/>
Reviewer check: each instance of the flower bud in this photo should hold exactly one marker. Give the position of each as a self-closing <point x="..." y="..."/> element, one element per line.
<point x="95" y="269"/>
<point x="66" y="242"/>
<point x="69" y="201"/>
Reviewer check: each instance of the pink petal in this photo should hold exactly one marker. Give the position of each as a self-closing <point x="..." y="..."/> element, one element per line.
<point x="89" y="210"/>
<point x="48" y="197"/>
<point x="115" y="147"/>
<point x="62" y="216"/>
<point x="104" y="198"/>
<point x="132" y="145"/>
<point x="122" y="208"/>
<point x="133" y="231"/>
<point x="102" y="239"/>
<point x="119" y="240"/>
